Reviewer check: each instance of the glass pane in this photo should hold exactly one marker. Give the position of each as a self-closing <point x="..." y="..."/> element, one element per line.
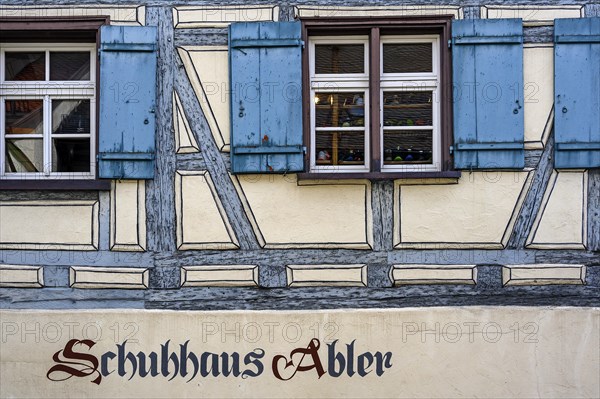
<point x="407" y="147"/>
<point x="407" y="108"/>
<point x="340" y="148"/>
<point x="70" y="65"/>
<point x="24" y="117"/>
<point x="24" y="155"/>
<point x="407" y="58"/>
<point x="25" y="66"/>
<point x="340" y="109"/>
<point x="70" y="116"/>
<point x="71" y="155"/>
<point x="339" y="58"/>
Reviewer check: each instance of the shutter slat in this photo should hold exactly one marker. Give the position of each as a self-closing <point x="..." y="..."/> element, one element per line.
<point x="577" y="93"/>
<point x="127" y="102"/>
<point x="266" y="100"/>
<point x="487" y="57"/>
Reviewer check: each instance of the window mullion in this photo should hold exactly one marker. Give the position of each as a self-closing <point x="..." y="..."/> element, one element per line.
<point x="47" y="135"/>
<point x="374" y="94"/>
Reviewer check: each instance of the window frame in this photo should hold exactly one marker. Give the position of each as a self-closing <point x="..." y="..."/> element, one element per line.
<point x="48" y="91"/>
<point x="375" y="29"/>
<point x="74" y="31"/>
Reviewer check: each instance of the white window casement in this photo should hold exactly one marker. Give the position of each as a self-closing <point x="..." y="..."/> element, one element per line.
<point x="408" y="137"/>
<point x="47" y="111"/>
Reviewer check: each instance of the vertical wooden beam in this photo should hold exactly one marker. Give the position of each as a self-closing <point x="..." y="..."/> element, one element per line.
<point x="160" y="194"/>
<point x="593" y="210"/>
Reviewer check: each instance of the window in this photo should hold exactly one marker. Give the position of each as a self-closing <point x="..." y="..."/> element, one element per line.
<point x="378" y="96"/>
<point x="48" y="110"/>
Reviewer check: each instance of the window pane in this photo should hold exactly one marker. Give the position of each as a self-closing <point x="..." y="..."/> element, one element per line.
<point x="340" y="109"/>
<point x="339" y="58"/>
<point x="24" y="155"/>
<point x="407" y="58"/>
<point x="71" y="155"/>
<point x="340" y="148"/>
<point x="25" y="66"/>
<point x="70" y="65"/>
<point x="407" y="147"/>
<point x="24" y="117"/>
<point x="407" y="108"/>
<point x="70" y="116"/>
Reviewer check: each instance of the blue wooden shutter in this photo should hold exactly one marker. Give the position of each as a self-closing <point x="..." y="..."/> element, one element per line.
<point x="577" y="93"/>
<point x="127" y="101"/>
<point x="266" y="97"/>
<point x="487" y="58"/>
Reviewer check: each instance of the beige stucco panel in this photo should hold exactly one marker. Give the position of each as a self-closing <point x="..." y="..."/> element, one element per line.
<point x="201" y="221"/>
<point x="208" y="70"/>
<point x="54" y="224"/>
<point x="477" y="210"/>
<point x="128" y="215"/>
<point x="554" y="354"/>
<point x="184" y="139"/>
<point x="375" y="11"/>
<point x="532" y="15"/>
<point x="563" y="217"/>
<point x="538" y="86"/>
<point x="119" y="15"/>
<point x="286" y="214"/>
<point x="222" y="16"/>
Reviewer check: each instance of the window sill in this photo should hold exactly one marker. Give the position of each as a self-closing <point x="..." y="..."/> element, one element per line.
<point x="57" y="185"/>
<point x="435" y="177"/>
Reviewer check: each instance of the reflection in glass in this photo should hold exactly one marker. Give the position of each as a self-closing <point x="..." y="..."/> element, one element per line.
<point x="407" y="147"/>
<point x="407" y="108"/>
<point x="24" y="117"/>
<point x="71" y="155"/>
<point x="70" y="116"/>
<point x="24" y="155"/>
<point x="340" y="109"/>
<point x="25" y="66"/>
<point x="70" y="65"/>
<point x="407" y="58"/>
<point x="340" y="148"/>
<point x="339" y="58"/>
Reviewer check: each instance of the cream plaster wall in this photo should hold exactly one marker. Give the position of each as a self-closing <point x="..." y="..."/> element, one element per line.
<point x="533" y="15"/>
<point x="446" y="352"/>
<point x="128" y="216"/>
<point x="562" y="220"/>
<point x="478" y="212"/>
<point x="538" y="93"/>
<point x="375" y="11"/>
<point x="287" y="215"/>
<point x="70" y="225"/>
<point x="222" y="16"/>
<point x="201" y="219"/>
<point x="185" y="142"/>
<point x="119" y="15"/>
<point x="208" y="70"/>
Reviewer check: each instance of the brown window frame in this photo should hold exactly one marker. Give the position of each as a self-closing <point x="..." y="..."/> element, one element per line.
<point x="53" y="29"/>
<point x="375" y="27"/>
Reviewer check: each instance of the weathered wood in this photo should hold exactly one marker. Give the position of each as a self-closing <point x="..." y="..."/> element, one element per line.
<point x="378" y="275"/>
<point x="532" y="158"/>
<point x="382" y="204"/>
<point x="533" y="200"/>
<point x="214" y="162"/>
<point x="592" y="10"/>
<point x="538" y="34"/>
<point x="593" y="211"/>
<point x="160" y="192"/>
<point x="44" y="257"/>
<point x="201" y="37"/>
<point x="193" y="161"/>
<point x="472" y="12"/>
<point x="48" y="195"/>
<point x="104" y="221"/>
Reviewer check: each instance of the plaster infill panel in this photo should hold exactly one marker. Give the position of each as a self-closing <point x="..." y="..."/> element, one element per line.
<point x="561" y="222"/>
<point x="185" y="142"/>
<point x="57" y="224"/>
<point x="21" y="276"/>
<point x="222" y="16"/>
<point x="478" y="212"/>
<point x="538" y="90"/>
<point x="286" y="215"/>
<point x="375" y="11"/>
<point x="219" y="276"/>
<point x="201" y="219"/>
<point x="208" y="70"/>
<point x="128" y="216"/>
<point x="533" y="15"/>
<point x="119" y="15"/>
